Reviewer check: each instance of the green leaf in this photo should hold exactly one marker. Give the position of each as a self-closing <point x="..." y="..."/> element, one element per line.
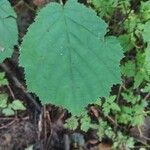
<point x="105" y="7"/>
<point x="146" y="32"/>
<point x="138" y="114"/>
<point x="104" y="130"/>
<point x="3" y="81"/>
<point x="85" y="123"/>
<point x="8" y="30"/>
<point x="122" y="140"/>
<point x="147" y="88"/>
<point x="128" y="69"/>
<point x="125" y="116"/>
<point x="147" y="59"/>
<point x="138" y="79"/>
<point x="133" y="115"/>
<point x="8" y="111"/>
<point x="130" y="98"/>
<point x="3" y="100"/>
<point x="71" y="123"/>
<point x="132" y="22"/>
<point x="145" y="10"/>
<point x="17" y="105"/>
<point x="126" y="42"/>
<point x="141" y="73"/>
<point x="110" y="105"/>
<point x="66" y="57"/>
<point x="146" y="37"/>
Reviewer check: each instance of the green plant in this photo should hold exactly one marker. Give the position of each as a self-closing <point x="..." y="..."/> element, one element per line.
<point x="122" y="141"/>
<point x="119" y="139"/>
<point x="80" y="64"/>
<point x="130" y="98"/>
<point x="104" y="130"/>
<point x="105" y="8"/>
<point x="8" y="108"/>
<point x="146" y="89"/>
<point x="134" y="111"/>
<point x="145" y="11"/>
<point x="85" y="122"/>
<point x="71" y="123"/>
<point x="3" y="81"/>
<point x="128" y="69"/>
<point x="132" y="115"/>
<point x="146" y="34"/>
<point x="8" y="30"/>
<point x="110" y="106"/>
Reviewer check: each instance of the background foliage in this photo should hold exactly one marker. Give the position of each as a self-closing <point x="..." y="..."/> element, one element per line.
<point x="8" y="30"/>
